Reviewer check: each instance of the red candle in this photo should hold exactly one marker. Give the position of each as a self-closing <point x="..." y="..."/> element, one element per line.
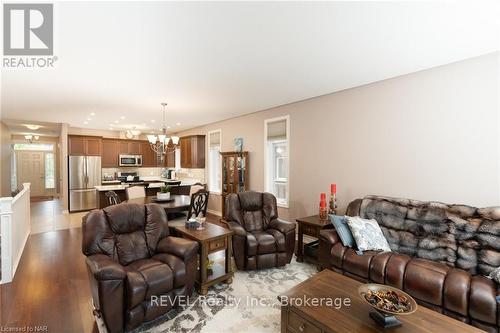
<point x="333" y="188"/>
<point x="323" y="196"/>
<point x="322" y="203"/>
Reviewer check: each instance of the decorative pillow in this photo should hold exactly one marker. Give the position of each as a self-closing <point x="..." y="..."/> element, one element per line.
<point x="367" y="234"/>
<point x="495" y="275"/>
<point x="340" y="224"/>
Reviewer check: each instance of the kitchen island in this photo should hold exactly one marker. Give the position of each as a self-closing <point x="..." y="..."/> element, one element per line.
<point x="152" y="187"/>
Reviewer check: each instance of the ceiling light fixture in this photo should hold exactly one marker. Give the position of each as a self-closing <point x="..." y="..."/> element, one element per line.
<point x="92" y="113"/>
<point x="161" y="143"/>
<point x="30" y="138"/>
<point x="33" y="127"/>
<point x="131" y="133"/>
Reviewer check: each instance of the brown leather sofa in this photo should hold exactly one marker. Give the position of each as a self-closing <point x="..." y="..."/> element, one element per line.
<point x="448" y="284"/>
<point x="132" y="262"/>
<point x="260" y="239"/>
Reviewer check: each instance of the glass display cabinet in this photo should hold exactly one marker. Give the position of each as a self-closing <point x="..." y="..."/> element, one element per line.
<point x="234" y="174"/>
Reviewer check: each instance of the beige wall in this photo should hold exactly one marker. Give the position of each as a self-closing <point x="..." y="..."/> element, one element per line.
<point x="93" y="132"/>
<point x="5" y="160"/>
<point x="431" y="135"/>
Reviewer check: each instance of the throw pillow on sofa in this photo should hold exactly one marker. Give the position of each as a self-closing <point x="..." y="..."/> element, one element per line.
<point x="367" y="234"/>
<point x="495" y="275"/>
<point x="343" y="230"/>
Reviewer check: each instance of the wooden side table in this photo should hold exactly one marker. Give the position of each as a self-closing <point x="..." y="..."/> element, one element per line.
<point x="212" y="238"/>
<point x="310" y="226"/>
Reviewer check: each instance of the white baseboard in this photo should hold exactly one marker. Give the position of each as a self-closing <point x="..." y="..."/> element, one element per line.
<point x="18" y="260"/>
<point x="214" y="212"/>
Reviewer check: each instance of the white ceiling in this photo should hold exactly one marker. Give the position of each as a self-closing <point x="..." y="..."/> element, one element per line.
<point x="45" y="128"/>
<point x="212" y="61"/>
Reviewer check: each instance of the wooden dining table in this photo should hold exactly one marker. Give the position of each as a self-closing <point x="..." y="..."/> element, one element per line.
<point x="180" y="203"/>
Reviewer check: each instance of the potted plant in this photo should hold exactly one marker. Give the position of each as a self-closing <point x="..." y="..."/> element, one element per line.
<point x="164" y="193"/>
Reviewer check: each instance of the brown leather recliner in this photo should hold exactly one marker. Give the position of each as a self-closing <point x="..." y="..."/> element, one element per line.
<point x="136" y="269"/>
<point x="260" y="239"/>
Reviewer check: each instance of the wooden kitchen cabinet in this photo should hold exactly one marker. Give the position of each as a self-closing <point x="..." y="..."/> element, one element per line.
<point x="149" y="158"/>
<point x="93" y="146"/>
<point x="170" y="159"/>
<point x="84" y="145"/>
<point x="110" y="153"/>
<point x="130" y="147"/>
<point x="76" y="145"/>
<point x="134" y="147"/>
<point x="123" y="147"/>
<point x="192" y="151"/>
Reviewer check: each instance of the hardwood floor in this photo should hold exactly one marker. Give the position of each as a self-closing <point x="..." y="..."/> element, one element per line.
<point x="51" y="286"/>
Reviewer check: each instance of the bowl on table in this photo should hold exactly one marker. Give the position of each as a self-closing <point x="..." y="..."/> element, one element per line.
<point x="388" y="302"/>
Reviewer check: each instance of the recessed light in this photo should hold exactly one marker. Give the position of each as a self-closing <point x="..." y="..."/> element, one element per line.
<point x="168" y="127"/>
<point x="178" y="124"/>
<point x="85" y="122"/>
<point x="89" y="119"/>
<point x="122" y="117"/>
<point x="92" y="113"/>
<point x="153" y="121"/>
<point x="111" y="128"/>
<point x="116" y="121"/>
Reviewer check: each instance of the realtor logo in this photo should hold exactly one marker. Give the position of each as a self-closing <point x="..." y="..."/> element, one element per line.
<point x="28" y="29"/>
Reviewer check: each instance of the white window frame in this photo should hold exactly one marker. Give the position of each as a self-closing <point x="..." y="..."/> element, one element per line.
<point x="266" y="158"/>
<point x="177" y="165"/>
<point x="219" y="185"/>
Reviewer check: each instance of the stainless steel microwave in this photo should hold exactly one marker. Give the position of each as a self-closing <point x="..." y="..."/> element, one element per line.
<point x="131" y="160"/>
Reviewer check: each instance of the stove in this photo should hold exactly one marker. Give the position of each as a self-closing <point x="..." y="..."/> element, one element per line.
<point x="123" y="176"/>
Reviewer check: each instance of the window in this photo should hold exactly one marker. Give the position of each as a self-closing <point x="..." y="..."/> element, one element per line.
<point x="50" y="171"/>
<point x="13" y="173"/>
<point x="214" y="161"/>
<point x="177" y="159"/>
<point x="34" y="146"/>
<point x="277" y="158"/>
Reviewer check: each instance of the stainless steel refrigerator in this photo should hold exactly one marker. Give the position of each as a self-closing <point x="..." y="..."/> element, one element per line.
<point x="84" y="174"/>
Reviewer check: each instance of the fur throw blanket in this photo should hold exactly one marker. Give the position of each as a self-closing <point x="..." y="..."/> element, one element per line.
<point x="457" y="235"/>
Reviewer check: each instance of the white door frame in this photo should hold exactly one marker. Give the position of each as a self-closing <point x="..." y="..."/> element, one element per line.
<point x="45" y="191"/>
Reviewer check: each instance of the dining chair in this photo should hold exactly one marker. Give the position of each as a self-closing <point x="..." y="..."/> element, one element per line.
<point x="199" y="204"/>
<point x="134" y="192"/>
<point x="196" y="188"/>
<point x="113" y="198"/>
<point x="197" y="208"/>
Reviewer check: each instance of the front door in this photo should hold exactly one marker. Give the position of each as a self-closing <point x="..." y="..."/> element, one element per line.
<point x="31" y="169"/>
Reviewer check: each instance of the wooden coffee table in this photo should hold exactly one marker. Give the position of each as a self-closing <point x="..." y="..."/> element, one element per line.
<point x="297" y="318"/>
<point x="212" y="238"/>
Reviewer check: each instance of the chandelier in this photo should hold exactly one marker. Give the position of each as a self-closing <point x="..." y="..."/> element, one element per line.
<point x="160" y="144"/>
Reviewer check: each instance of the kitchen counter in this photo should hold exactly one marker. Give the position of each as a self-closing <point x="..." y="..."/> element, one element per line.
<point x="157" y="183"/>
<point x="152" y="188"/>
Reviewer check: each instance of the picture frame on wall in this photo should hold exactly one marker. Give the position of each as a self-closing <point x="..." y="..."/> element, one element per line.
<point x="238" y="145"/>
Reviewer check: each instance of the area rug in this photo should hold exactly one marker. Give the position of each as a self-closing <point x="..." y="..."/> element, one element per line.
<point x="249" y="304"/>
